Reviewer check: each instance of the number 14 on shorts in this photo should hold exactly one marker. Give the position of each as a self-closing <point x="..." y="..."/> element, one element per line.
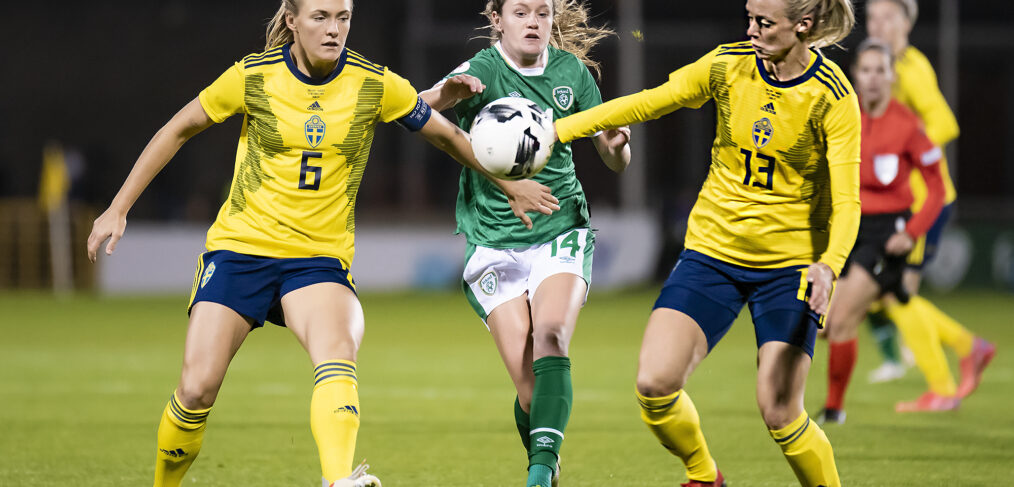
<point x="566" y="246"/>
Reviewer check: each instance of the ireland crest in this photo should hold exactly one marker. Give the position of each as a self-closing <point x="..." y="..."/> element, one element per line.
<point x="564" y="97"/>
<point x="315" y="130"/>
<point x="488" y="283"/>
<point x="762" y="131"/>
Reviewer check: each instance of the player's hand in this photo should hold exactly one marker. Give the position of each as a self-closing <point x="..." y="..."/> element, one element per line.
<point x="109" y="225"/>
<point x="900" y="243"/>
<point x="821" y="279"/>
<point x="461" y="87"/>
<point x="615" y="139"/>
<point x="527" y="195"/>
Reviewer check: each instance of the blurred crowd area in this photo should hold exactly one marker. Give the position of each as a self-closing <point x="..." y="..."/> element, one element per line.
<point x="101" y="78"/>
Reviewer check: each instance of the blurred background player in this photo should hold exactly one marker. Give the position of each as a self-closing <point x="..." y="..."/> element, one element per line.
<point x="528" y="285"/>
<point x="893" y="145"/>
<point x="916" y="87"/>
<point x="772" y="226"/>
<point x="283" y="241"/>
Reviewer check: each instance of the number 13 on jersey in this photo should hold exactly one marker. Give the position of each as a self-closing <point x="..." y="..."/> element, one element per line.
<point x="760" y="169"/>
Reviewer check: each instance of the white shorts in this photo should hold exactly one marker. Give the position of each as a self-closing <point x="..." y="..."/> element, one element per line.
<point x="495" y="276"/>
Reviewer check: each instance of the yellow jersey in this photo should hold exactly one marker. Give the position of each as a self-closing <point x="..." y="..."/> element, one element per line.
<point x="783" y="186"/>
<point x="302" y="151"/>
<point x="916" y="87"/>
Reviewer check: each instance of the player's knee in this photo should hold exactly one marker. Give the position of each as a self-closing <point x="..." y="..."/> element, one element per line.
<point x="550" y="340"/>
<point x="656" y="385"/>
<point x="777" y="415"/>
<point x="196" y="394"/>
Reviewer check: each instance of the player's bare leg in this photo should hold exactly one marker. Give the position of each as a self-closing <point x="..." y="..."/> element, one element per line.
<point x="555" y="307"/>
<point x="214" y="334"/>
<point x="674" y="345"/>
<point x="511" y="327"/>
<point x="327" y="319"/>
<point x="852" y="298"/>
<point x="781" y="382"/>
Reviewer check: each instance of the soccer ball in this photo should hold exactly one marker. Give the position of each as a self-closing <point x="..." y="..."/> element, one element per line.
<point x="512" y="138"/>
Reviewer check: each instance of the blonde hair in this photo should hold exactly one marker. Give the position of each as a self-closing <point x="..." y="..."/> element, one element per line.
<point x="909" y="7"/>
<point x="570" y="31"/>
<point x="833" y="20"/>
<point x="278" y="32"/>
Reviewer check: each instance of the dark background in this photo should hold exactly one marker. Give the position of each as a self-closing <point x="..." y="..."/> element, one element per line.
<point x="104" y="77"/>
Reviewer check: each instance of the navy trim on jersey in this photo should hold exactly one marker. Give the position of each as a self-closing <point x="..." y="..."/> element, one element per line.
<point x="825" y="70"/>
<point x="737" y="45"/>
<point x="256" y="57"/>
<point x="792" y="82"/>
<point x="351" y="62"/>
<point x="262" y="63"/>
<point x="732" y="52"/>
<point x="359" y="57"/>
<point x="307" y="79"/>
<point x="834" y="90"/>
<point x="417" y="118"/>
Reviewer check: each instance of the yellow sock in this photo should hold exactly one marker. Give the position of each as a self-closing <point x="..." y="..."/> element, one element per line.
<point x="676" y="424"/>
<point x="180" y="434"/>
<point x="923" y="338"/>
<point x="809" y="453"/>
<point x="334" y="416"/>
<point x="951" y="332"/>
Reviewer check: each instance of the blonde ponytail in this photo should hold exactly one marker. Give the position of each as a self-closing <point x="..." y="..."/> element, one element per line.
<point x="833" y="20"/>
<point x="570" y="31"/>
<point x="278" y="32"/>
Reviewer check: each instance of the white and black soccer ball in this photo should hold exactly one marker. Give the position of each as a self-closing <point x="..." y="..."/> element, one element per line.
<point x="512" y="138"/>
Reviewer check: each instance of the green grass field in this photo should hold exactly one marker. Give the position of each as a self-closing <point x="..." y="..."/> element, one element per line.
<point x="83" y="381"/>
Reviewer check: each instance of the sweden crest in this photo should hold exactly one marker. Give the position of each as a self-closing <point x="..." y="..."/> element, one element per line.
<point x="210" y="271"/>
<point x="315" y="128"/>
<point x="762" y="131"/>
<point x="564" y="97"/>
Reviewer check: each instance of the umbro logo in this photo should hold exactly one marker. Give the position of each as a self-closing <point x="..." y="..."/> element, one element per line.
<point x="544" y="441"/>
<point x="770" y="108"/>
<point x="515" y="94"/>
<point x="315" y="107"/>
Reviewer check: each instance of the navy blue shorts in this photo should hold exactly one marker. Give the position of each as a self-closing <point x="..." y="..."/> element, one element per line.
<point x="253" y="286"/>
<point x="712" y="292"/>
<point x="925" y="248"/>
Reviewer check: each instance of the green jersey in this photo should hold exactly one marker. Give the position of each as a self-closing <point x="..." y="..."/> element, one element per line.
<point x="566" y="86"/>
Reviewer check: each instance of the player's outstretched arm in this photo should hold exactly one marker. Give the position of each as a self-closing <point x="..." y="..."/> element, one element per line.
<point x="614" y="148"/>
<point x="524" y="195"/>
<point x="450" y="91"/>
<point x="189" y="121"/>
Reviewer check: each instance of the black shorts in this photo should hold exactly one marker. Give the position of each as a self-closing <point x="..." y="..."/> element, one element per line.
<point x="868" y="252"/>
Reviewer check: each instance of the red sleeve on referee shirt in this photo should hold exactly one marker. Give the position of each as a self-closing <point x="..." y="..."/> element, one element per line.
<point x="926" y="158"/>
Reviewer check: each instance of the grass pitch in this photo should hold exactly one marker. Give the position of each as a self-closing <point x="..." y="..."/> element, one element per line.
<point x="83" y="381"/>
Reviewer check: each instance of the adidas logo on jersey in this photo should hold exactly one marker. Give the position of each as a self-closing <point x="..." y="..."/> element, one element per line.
<point x="770" y="108"/>
<point x="315" y="107"/>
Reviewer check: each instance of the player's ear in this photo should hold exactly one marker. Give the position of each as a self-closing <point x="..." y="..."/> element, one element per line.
<point x="805" y="24"/>
<point x="494" y="20"/>
<point x="290" y="21"/>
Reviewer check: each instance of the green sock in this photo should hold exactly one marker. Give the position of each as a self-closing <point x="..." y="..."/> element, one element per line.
<point x="886" y="336"/>
<point x="523" y="421"/>
<point x="539" y="476"/>
<point x="550" y="410"/>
